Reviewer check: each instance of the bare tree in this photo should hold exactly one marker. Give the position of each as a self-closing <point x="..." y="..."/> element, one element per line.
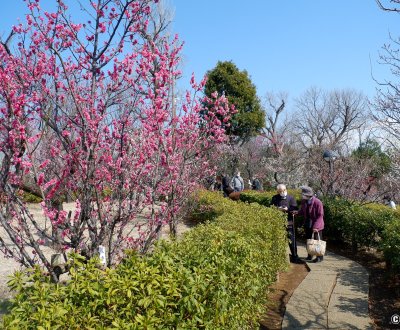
<point x="253" y="154"/>
<point x="387" y="100"/>
<point x="275" y="128"/>
<point x="393" y="8"/>
<point x="280" y="154"/>
<point x="328" y="119"/>
<point x="350" y="178"/>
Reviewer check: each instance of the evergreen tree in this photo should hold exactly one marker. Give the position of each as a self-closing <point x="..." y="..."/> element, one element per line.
<point x="370" y="149"/>
<point x="236" y="85"/>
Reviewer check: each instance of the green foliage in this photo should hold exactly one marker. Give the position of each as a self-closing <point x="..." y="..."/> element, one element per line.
<point x="240" y="91"/>
<point x="215" y="277"/>
<point x="28" y="197"/>
<point x="365" y="225"/>
<point x="262" y="198"/>
<point x="353" y="223"/>
<point x="205" y="208"/>
<point x="360" y="225"/>
<point x="265" y="197"/>
<point x="371" y="150"/>
<point x="390" y="243"/>
<point x="107" y="192"/>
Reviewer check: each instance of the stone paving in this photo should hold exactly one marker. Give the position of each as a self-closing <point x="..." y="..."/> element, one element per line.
<point x="334" y="295"/>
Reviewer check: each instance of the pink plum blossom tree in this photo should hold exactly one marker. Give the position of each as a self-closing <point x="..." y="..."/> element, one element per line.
<point x="87" y="113"/>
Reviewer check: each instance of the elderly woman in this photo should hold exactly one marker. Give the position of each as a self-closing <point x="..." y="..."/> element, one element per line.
<point x="313" y="212"/>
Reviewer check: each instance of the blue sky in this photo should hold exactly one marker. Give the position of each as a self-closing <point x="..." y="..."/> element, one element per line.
<point x="284" y="45"/>
<point x="288" y="45"/>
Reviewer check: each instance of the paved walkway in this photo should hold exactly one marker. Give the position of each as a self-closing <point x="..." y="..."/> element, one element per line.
<point x="334" y="295"/>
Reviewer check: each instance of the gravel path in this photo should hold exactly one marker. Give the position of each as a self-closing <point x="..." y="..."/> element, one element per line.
<point x="7" y="268"/>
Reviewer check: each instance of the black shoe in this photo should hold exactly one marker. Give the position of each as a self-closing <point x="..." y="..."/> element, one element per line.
<point x="318" y="259"/>
<point x="295" y="260"/>
<point x="309" y="258"/>
<point x="298" y="261"/>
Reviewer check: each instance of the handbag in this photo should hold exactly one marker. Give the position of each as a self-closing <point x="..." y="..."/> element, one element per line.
<point x="316" y="247"/>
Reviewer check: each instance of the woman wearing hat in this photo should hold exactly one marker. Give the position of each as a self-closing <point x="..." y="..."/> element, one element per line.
<point x="312" y="211"/>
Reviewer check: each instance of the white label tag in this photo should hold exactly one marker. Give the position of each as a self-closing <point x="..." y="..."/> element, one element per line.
<point x="102" y="255"/>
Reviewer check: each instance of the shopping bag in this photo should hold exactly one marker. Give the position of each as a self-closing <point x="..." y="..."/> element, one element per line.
<point x="316" y="247"/>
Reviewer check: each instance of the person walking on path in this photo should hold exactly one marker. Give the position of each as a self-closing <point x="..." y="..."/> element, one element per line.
<point x="237" y="182"/>
<point x="312" y="211"/>
<point x="287" y="203"/>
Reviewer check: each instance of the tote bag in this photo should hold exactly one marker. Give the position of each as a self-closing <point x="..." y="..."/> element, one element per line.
<point x="316" y="247"/>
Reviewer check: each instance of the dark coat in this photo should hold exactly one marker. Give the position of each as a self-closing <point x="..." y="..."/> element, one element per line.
<point x="256" y="185"/>
<point x="226" y="185"/>
<point x="287" y="201"/>
<point x="226" y="182"/>
<point x="313" y="213"/>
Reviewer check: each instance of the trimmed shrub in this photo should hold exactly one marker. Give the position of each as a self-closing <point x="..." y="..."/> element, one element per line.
<point x="265" y="197"/>
<point x="262" y="198"/>
<point x="215" y="277"/>
<point x="359" y="225"/>
<point x="390" y="244"/>
<point x="28" y="197"/>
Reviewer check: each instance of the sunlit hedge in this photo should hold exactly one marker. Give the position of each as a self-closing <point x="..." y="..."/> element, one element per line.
<point x="265" y="197"/>
<point x="29" y="197"/>
<point x="215" y="277"/>
<point x="390" y="243"/>
<point x="370" y="225"/>
<point x="360" y="225"/>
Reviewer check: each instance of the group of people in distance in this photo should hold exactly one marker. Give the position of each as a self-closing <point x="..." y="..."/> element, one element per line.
<point x="236" y="184"/>
<point x="312" y="211"/>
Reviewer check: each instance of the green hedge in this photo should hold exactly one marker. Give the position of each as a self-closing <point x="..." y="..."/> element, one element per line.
<point x="370" y="225"/>
<point x="215" y="277"/>
<point x="28" y="197"/>
<point x="360" y="225"/>
<point x="265" y="197"/>
<point x="390" y="244"/>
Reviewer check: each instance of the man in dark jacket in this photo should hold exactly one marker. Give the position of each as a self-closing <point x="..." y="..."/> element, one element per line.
<point x="255" y="184"/>
<point x="287" y="203"/>
<point x="226" y="185"/>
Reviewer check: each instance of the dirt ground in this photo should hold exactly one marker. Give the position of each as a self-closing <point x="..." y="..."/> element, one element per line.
<point x="281" y="292"/>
